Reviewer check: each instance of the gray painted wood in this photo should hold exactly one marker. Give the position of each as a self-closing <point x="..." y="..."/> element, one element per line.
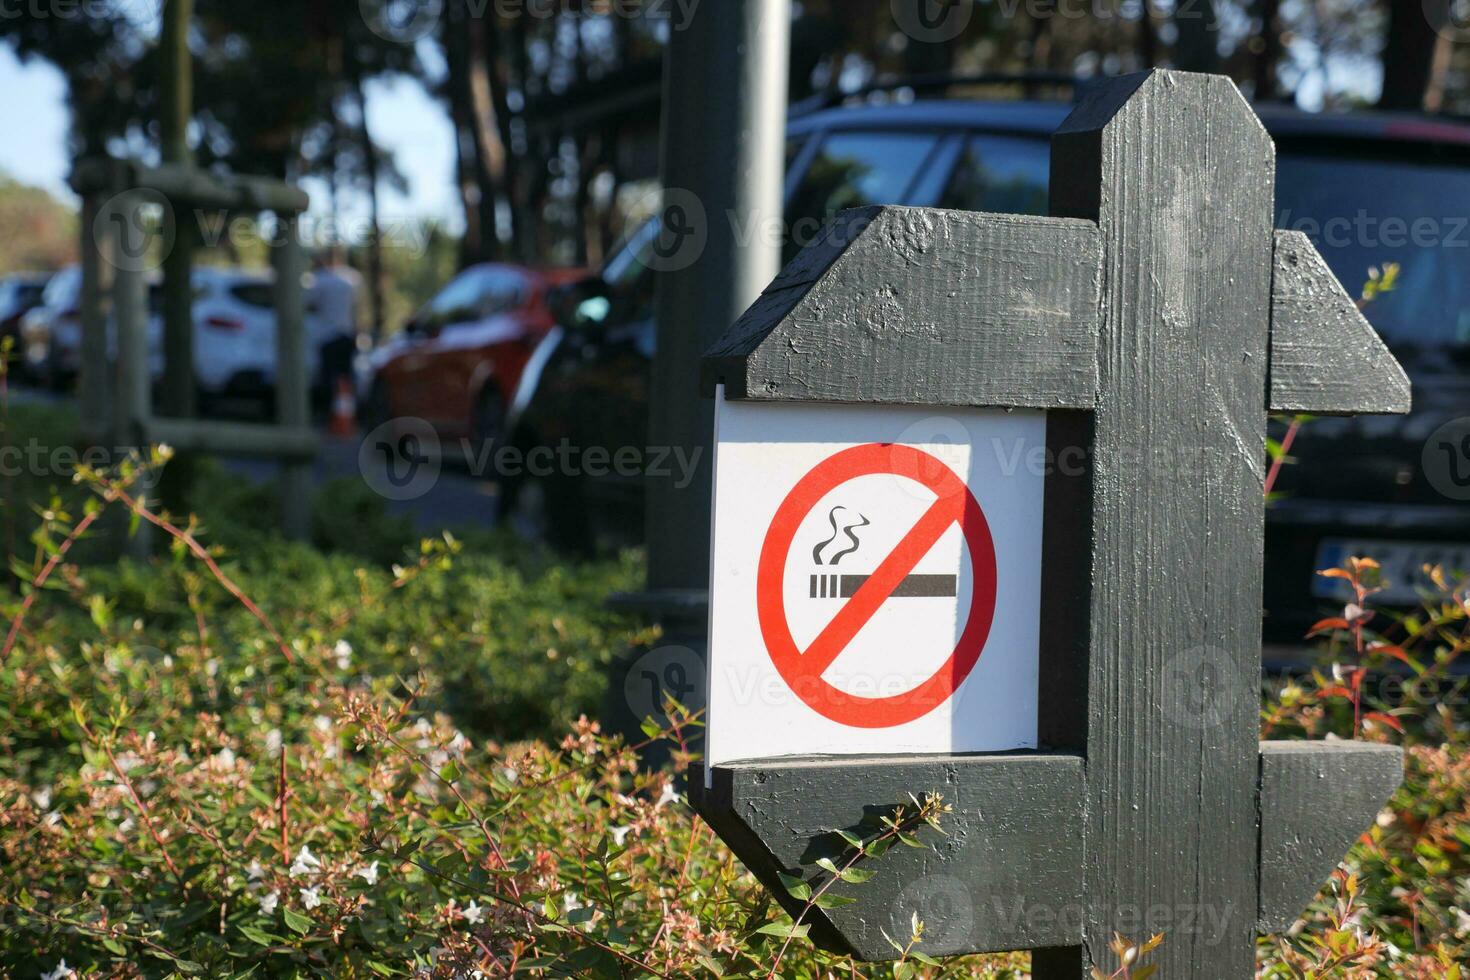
<point x="1325" y="357"/>
<point x="1317" y="798"/>
<point x="923" y="306"/>
<point x="1155" y="808"/>
<point x="1178" y="173"/>
<point x="1005" y="876"/>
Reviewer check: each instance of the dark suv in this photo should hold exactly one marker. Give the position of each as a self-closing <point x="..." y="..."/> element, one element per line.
<point x="1368" y="189"/>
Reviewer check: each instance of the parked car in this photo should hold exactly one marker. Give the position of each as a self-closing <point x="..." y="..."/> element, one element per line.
<point x="458" y="360"/>
<point x="51" y="332"/>
<point x="234" y="332"/>
<point x="19" y="294"/>
<point x="1369" y="189"/>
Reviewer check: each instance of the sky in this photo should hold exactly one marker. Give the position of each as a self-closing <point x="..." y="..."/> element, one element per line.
<point x="403" y="117"/>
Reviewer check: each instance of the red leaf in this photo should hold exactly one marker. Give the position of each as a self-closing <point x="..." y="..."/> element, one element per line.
<point x="1387" y="719"/>
<point x="1328" y="625"/>
<point x="1336" y="573"/>
<point x="1390" y="650"/>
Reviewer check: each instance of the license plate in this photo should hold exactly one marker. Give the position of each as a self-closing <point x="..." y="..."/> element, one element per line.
<point x="1401" y="564"/>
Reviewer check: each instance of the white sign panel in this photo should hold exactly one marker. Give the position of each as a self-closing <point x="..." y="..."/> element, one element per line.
<point x="876" y="580"/>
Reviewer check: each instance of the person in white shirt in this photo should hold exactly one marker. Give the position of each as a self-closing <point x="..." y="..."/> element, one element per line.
<point x="333" y="295"/>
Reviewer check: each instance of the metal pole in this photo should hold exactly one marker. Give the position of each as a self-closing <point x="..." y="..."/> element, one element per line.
<point x="293" y="393"/>
<point x="723" y="161"/>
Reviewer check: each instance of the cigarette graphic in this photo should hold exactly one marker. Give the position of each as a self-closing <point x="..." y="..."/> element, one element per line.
<point x="912" y="587"/>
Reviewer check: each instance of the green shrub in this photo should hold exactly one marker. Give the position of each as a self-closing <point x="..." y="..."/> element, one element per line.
<point x="282" y="760"/>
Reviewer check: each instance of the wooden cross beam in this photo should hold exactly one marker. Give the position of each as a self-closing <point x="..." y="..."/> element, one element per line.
<point x="1157" y="317"/>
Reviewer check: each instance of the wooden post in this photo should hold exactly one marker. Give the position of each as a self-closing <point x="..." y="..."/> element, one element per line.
<point x="94" y="386"/>
<point x="131" y="391"/>
<point x="176" y="95"/>
<point x="293" y="386"/>
<point x="1156" y="317"/>
<point x="1179" y="175"/>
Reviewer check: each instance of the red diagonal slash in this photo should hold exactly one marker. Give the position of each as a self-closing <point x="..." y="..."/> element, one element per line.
<point x="802" y="670"/>
<point x="863" y="605"/>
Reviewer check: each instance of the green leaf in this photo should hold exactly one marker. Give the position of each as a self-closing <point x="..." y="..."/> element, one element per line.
<point x="782" y="930"/>
<point x="259" y="936"/>
<point x="796" y="888"/>
<point x="830" y="901"/>
<point x="297" y="922"/>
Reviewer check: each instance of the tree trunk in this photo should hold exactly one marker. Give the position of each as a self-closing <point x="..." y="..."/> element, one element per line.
<point x="489" y="151"/>
<point x="1409" y="50"/>
<point x="1199" y="34"/>
<point x="1268" y="57"/>
<point x="371" y="167"/>
<point x="455" y="28"/>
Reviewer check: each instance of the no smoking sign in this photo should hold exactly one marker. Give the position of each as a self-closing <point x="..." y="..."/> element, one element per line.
<point x="876" y="581"/>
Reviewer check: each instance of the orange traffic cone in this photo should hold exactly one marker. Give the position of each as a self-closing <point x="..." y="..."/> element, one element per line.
<point x="344" y="411"/>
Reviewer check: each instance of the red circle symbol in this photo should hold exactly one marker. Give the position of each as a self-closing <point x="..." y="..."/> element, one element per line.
<point x="802" y="670"/>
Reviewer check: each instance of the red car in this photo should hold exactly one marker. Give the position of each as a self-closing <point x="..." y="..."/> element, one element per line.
<point x="458" y="361"/>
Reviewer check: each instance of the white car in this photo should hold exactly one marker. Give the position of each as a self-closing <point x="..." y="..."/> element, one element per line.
<point x="234" y="331"/>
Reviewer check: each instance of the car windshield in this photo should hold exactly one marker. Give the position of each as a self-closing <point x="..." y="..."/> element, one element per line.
<point x="1364" y="213"/>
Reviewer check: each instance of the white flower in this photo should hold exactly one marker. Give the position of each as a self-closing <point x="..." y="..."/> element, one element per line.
<point x="42" y="798"/>
<point x="343" y="652"/>
<point x="620" y="834"/>
<point x="224" y="758"/>
<point x="268" y="903"/>
<point x="273" y="742"/>
<point x="61" y="971"/>
<point x="306" y="862"/>
<point x="570" y="902"/>
<point x="667" y="796"/>
<point x="473" y="913"/>
<point x="254" y="870"/>
<point x="509" y="774"/>
<point x="368" y="873"/>
<point x="311" y="897"/>
<point x="1337" y="673"/>
<point x="1462" y="923"/>
<point x="322" y="723"/>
